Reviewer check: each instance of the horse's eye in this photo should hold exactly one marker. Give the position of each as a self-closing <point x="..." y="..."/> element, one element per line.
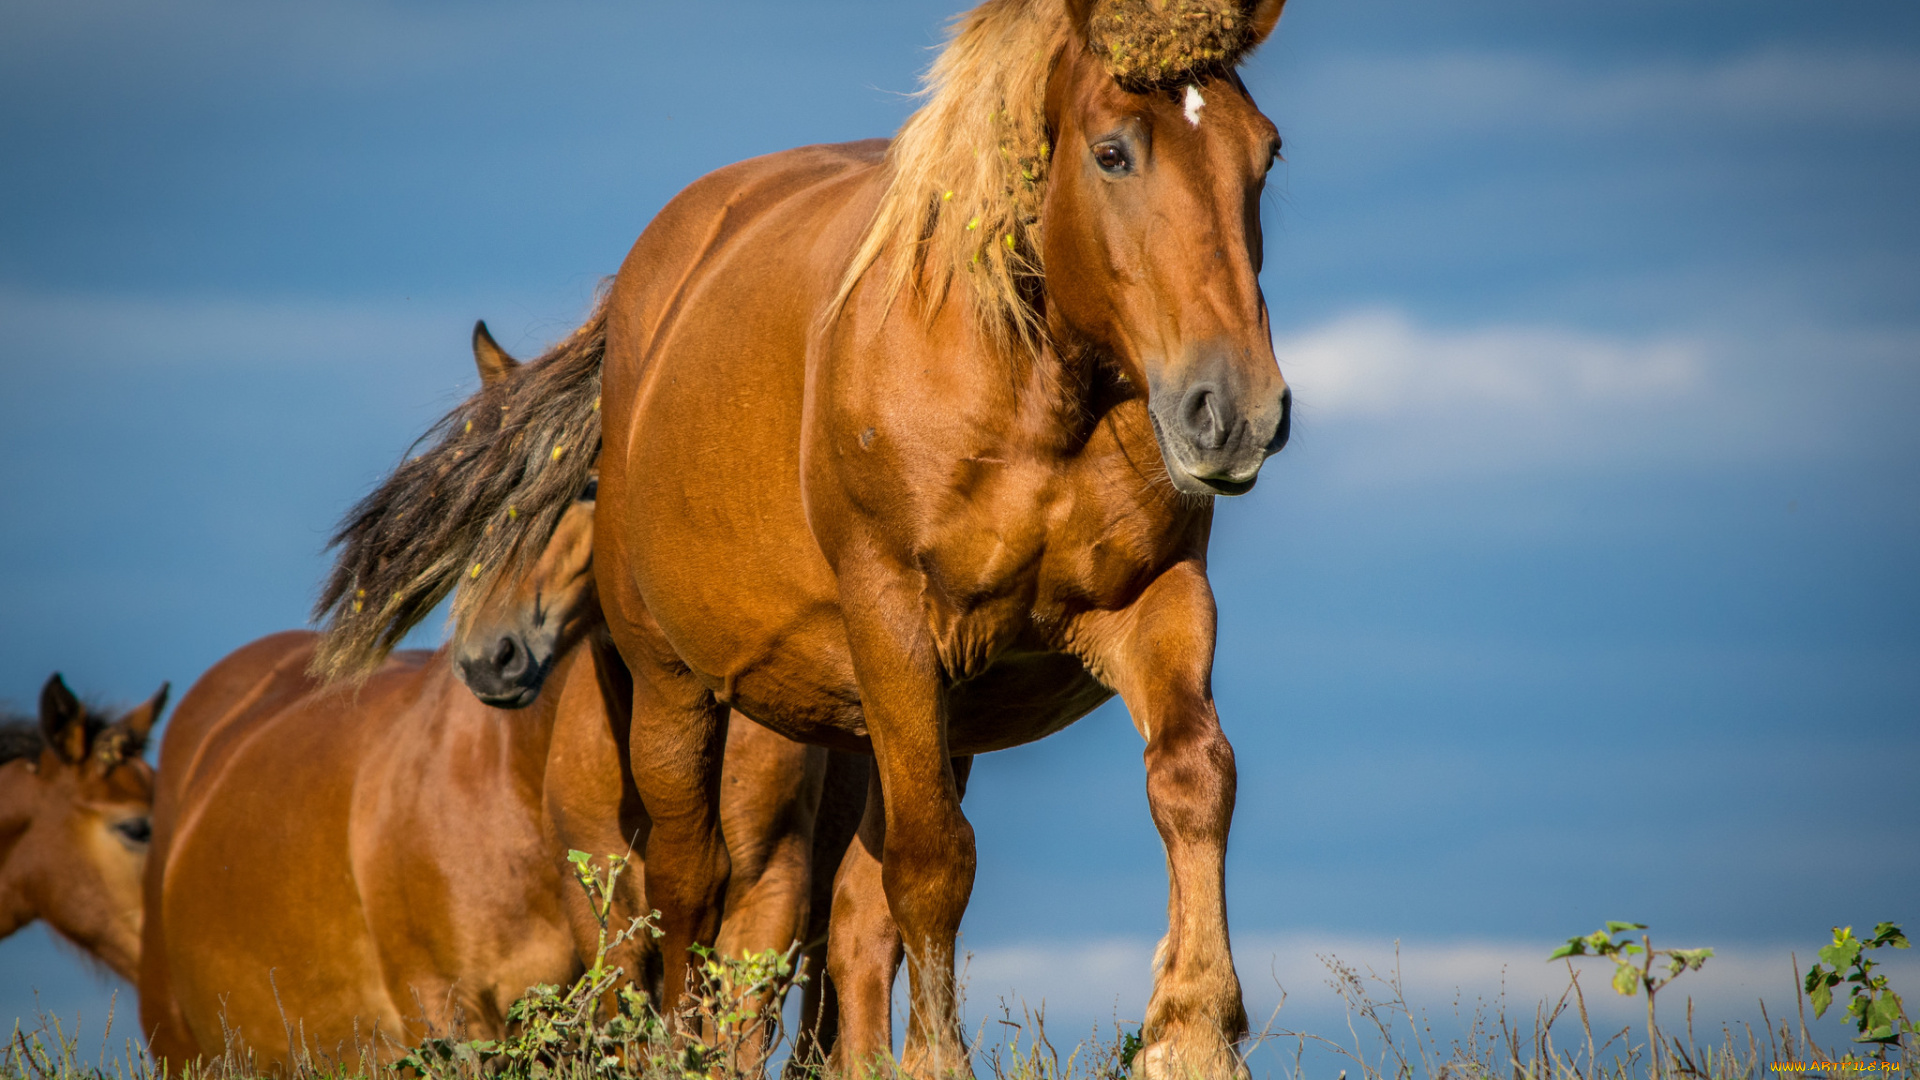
<point x="591" y="491"/>
<point x="1112" y="158"/>
<point x="138" y="830"/>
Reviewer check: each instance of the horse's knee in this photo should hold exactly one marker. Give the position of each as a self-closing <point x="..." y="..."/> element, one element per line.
<point x="1191" y="780"/>
<point x="930" y="860"/>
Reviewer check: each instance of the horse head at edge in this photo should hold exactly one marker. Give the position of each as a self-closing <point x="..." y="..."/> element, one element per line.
<point x="507" y="644"/>
<point x="76" y="804"/>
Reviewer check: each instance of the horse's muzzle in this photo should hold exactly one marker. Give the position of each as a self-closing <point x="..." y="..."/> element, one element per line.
<point x="506" y="676"/>
<point x="1217" y="428"/>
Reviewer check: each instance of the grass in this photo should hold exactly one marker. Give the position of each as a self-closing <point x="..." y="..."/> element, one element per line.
<point x="722" y="1036"/>
<point x="729" y="1025"/>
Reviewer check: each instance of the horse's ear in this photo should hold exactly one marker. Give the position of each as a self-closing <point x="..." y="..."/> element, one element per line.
<point x="139" y="723"/>
<point x="1265" y="13"/>
<point x="489" y="357"/>
<point x="63" y="721"/>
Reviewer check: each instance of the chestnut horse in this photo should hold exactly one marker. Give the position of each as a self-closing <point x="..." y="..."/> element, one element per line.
<point x="403" y="875"/>
<point x="910" y="447"/>
<point x="787" y="808"/>
<point x="338" y="869"/>
<point x="75" y="800"/>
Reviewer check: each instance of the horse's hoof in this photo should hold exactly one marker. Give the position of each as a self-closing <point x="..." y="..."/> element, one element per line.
<point x="1163" y="1061"/>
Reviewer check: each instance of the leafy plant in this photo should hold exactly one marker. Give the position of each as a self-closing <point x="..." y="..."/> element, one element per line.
<point x="602" y="1029"/>
<point x="1628" y="975"/>
<point x="1634" y="967"/>
<point x="554" y="1032"/>
<point x="1874" y="1008"/>
<point x="731" y="1014"/>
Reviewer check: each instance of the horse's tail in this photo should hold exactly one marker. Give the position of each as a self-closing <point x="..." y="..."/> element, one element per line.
<point x="480" y="502"/>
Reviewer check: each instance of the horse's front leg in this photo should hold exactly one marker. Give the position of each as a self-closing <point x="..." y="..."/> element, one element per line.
<point x="1158" y="654"/>
<point x="927" y="856"/>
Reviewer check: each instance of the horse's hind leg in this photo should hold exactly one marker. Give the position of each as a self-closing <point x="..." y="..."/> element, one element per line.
<point x="843" y="799"/>
<point x="863" y="947"/>
<point x="169" y="1041"/>
<point x="770" y="793"/>
<point x="676" y="743"/>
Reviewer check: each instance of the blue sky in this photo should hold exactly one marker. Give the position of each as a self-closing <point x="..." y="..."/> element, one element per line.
<point x="1586" y="590"/>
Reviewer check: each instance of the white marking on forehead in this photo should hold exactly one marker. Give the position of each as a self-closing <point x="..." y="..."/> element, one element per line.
<point x="1194" y="104"/>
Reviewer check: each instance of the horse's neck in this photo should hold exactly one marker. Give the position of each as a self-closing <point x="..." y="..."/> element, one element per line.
<point x="1058" y="388"/>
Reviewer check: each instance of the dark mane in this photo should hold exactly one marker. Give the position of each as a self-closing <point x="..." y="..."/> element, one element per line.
<point x="19" y="738"/>
<point x="480" y="501"/>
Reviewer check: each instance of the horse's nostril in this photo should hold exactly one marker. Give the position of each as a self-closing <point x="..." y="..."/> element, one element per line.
<point x="504" y="653"/>
<point x="1203" y="412"/>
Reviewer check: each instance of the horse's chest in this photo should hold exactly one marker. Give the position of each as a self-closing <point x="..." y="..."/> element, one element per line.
<point x="1008" y="566"/>
<point x="978" y="585"/>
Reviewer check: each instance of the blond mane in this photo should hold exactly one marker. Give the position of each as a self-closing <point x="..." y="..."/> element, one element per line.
<point x="969" y="168"/>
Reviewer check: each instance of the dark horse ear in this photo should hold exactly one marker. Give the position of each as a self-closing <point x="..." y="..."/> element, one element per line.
<point x="489" y="357"/>
<point x="138" y="724"/>
<point x="63" y="721"/>
<point x="1265" y="13"/>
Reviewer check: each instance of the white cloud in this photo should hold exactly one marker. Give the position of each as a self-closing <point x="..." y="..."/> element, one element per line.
<point x="1379" y="364"/>
<point x="1403" y="401"/>
<point x="1382" y="397"/>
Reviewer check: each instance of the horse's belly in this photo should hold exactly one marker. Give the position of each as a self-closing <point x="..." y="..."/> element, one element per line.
<point x="1019" y="700"/>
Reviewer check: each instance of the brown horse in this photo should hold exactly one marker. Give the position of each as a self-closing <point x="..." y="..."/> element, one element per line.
<point x="75" y="800"/>
<point x="787" y="808"/>
<point x="910" y="448"/>
<point x="331" y="865"/>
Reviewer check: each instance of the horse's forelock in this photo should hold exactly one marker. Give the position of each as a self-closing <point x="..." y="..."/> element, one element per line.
<point x="1156" y="44"/>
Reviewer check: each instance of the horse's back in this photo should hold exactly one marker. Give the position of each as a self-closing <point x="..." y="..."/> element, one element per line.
<point x="254" y="679"/>
<point x="245" y="687"/>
